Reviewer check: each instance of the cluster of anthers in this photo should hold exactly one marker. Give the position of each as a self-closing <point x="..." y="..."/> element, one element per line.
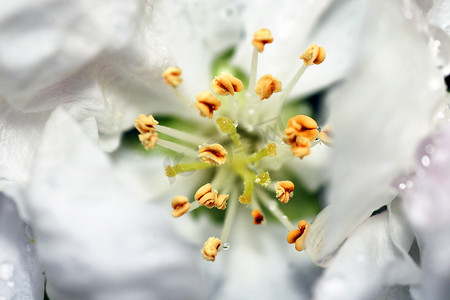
<point x="233" y="159"/>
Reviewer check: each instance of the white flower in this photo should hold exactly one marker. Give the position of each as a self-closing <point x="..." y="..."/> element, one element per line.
<point x="380" y="114"/>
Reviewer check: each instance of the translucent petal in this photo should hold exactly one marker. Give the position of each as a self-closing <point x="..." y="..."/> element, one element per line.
<point x="379" y="115"/>
<point x="428" y="209"/>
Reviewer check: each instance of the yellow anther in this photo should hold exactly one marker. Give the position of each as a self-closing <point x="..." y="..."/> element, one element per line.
<point x="293" y="235"/>
<point x="172" y="76"/>
<point x="284" y="191"/>
<point x="298" y="236"/>
<point x="313" y="55"/>
<point x="221" y="201"/>
<point x="262" y="37"/>
<point x="210" y="248"/>
<point x="214" y="154"/>
<point x="263" y="179"/>
<point x="205" y="196"/>
<point x="180" y="206"/>
<point x="226" y="84"/>
<point x="266" y="86"/>
<point x="258" y="217"/>
<point x="301" y="148"/>
<point x="326" y="135"/>
<point x="149" y="139"/>
<point x="207" y="104"/>
<point x="145" y="123"/>
<point x="271" y="149"/>
<point x="300" y="126"/>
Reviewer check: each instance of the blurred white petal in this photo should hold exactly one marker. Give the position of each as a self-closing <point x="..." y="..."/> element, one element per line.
<point x="21" y="275"/>
<point x="379" y="114"/>
<point x="46" y="41"/>
<point x="427" y="205"/>
<point x="374" y="256"/>
<point x="95" y="238"/>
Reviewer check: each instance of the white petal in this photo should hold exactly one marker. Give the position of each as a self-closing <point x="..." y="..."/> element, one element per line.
<point x="45" y="42"/>
<point x="427" y="206"/>
<point x="368" y="261"/>
<point x="439" y="14"/>
<point x="379" y="115"/>
<point x="95" y="238"/>
<point x="21" y="275"/>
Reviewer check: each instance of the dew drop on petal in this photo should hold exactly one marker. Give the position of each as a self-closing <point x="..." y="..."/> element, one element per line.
<point x="272" y="205"/>
<point x="226" y="246"/>
<point x="235" y="123"/>
<point x="6" y="270"/>
<point x="425" y="161"/>
<point x="401" y="184"/>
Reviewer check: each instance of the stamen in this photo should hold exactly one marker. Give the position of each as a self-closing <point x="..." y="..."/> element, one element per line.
<point x="275" y="210"/>
<point x="207" y="104"/>
<point x="313" y="55"/>
<point x="205" y="196"/>
<point x="258" y="217"/>
<point x="263" y="179"/>
<point x="180" y="206"/>
<point x="145" y="124"/>
<point x="172" y="171"/>
<point x="326" y="135"/>
<point x="269" y="150"/>
<point x="221" y="201"/>
<point x="253" y="71"/>
<point x="284" y="191"/>
<point x="266" y="86"/>
<point x="229" y="218"/>
<point x="177" y="148"/>
<point x="301" y="147"/>
<point x="226" y="84"/>
<point x="249" y="178"/>
<point x="298" y="236"/>
<point x="261" y="38"/>
<point x="210" y="248"/>
<point x="180" y="135"/>
<point x="172" y="76"/>
<point x="300" y="126"/>
<point x="149" y="140"/>
<point x="214" y="154"/>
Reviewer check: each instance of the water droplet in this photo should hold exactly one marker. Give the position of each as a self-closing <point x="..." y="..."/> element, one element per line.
<point x="272" y="205"/>
<point x="430" y="149"/>
<point x="10" y="284"/>
<point x="235" y="123"/>
<point x="6" y="270"/>
<point x="425" y="161"/>
<point x="401" y="184"/>
<point x="226" y="246"/>
<point x="251" y="111"/>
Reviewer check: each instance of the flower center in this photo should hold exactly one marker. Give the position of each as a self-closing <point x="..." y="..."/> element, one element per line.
<point x="241" y="154"/>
